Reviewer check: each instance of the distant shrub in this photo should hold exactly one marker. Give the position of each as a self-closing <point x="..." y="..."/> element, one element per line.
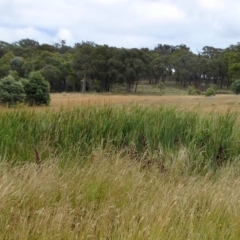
<point x="193" y="91"/>
<point x="11" y="91"/>
<point x="235" y="87"/>
<point x="210" y="92"/>
<point x="198" y="92"/>
<point x="37" y="89"/>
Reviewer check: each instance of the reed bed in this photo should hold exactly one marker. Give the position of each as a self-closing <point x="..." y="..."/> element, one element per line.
<point x="212" y="140"/>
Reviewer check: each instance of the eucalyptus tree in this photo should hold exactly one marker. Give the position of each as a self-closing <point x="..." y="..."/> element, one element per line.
<point x="186" y="69"/>
<point x="17" y="65"/>
<point x="83" y="63"/>
<point x="102" y="71"/>
<point x="158" y="69"/>
<point x="185" y="65"/>
<point x="4" y="48"/>
<point x="217" y="68"/>
<point x="52" y="75"/>
<point x="27" y="43"/>
<point x="5" y="64"/>
<point x="130" y="66"/>
<point x="232" y="59"/>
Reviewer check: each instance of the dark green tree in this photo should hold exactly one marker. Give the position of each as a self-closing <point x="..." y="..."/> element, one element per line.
<point x="11" y="91"/>
<point x="5" y="62"/>
<point x="17" y="65"/>
<point x="186" y="68"/>
<point x="235" y="87"/>
<point x="83" y="64"/>
<point x="37" y="89"/>
<point x="52" y="75"/>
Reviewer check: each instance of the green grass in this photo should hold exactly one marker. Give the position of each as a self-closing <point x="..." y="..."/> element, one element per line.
<point x="211" y="140"/>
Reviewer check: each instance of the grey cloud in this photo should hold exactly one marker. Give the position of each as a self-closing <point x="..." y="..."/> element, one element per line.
<point x="122" y="23"/>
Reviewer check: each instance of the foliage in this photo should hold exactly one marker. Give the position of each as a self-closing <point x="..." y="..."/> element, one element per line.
<point x="52" y="75"/>
<point x="193" y="91"/>
<point x="11" y="91"/>
<point x="15" y="75"/>
<point x="96" y="85"/>
<point x="5" y="66"/>
<point x="210" y="92"/>
<point x="235" y="87"/>
<point x="37" y="90"/>
<point x="64" y="67"/>
<point x="17" y="65"/>
<point x="198" y="92"/>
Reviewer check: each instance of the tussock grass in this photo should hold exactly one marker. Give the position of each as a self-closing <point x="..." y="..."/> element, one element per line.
<point x="110" y="197"/>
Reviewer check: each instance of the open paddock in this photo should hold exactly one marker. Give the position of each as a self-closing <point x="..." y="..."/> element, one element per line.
<point x="219" y="103"/>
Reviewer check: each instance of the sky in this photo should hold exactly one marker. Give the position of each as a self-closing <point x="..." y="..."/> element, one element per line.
<point x="123" y="23"/>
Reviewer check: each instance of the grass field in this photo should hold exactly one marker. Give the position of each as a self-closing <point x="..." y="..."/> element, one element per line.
<point x="218" y="103"/>
<point x="111" y="198"/>
<point x="121" y="167"/>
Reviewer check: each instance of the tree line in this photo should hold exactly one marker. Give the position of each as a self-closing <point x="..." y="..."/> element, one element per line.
<point x="89" y="66"/>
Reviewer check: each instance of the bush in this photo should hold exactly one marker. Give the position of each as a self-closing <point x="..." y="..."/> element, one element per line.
<point x="198" y="92"/>
<point x="37" y="89"/>
<point x="210" y="92"/>
<point x="11" y="91"/>
<point x="235" y="87"/>
<point x="193" y="91"/>
<point x="15" y="75"/>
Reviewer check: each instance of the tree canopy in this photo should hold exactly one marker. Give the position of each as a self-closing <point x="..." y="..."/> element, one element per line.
<point x="89" y="66"/>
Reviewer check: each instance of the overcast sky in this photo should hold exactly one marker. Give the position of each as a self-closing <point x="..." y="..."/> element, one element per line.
<point x="123" y="23"/>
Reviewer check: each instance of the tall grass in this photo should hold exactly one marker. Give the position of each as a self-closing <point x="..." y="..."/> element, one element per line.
<point x="87" y="184"/>
<point x="211" y="140"/>
<point x="109" y="197"/>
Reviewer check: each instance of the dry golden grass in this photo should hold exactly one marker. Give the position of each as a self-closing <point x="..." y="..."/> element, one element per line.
<point x="109" y="197"/>
<point x="218" y="103"/>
